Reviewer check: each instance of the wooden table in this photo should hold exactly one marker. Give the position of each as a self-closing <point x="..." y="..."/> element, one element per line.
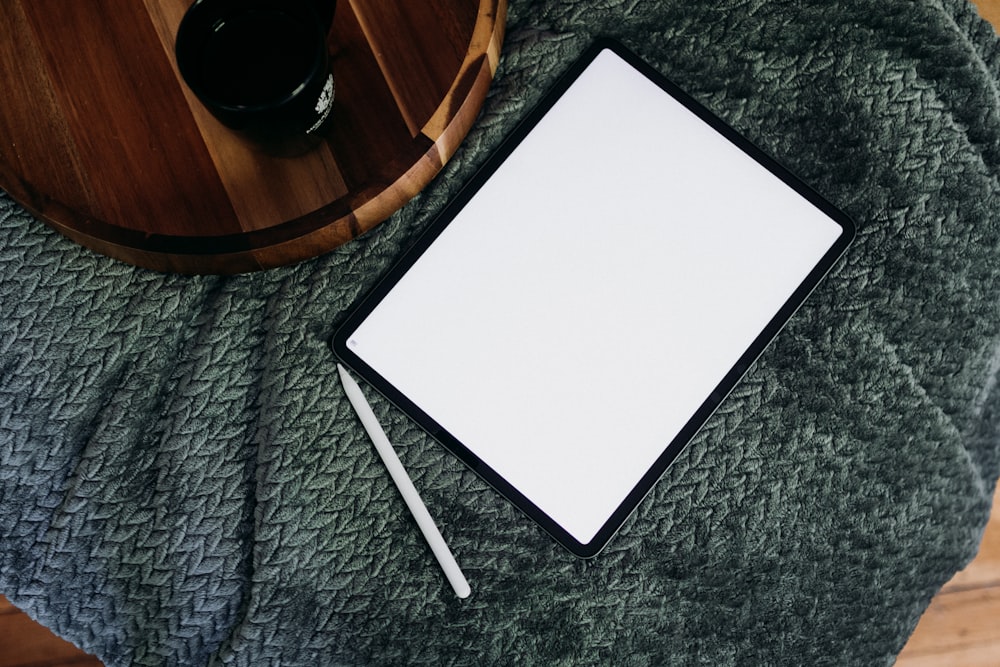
<point x="100" y="138"/>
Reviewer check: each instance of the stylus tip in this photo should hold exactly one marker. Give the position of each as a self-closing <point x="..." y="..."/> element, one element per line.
<point x="463" y="591"/>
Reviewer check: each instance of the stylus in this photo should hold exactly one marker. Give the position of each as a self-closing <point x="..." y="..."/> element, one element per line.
<point x="405" y="485"/>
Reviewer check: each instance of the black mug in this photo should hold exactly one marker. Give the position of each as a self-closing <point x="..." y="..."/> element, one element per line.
<point x="261" y="67"/>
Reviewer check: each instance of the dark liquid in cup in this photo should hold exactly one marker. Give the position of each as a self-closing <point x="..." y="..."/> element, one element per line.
<point x="258" y="57"/>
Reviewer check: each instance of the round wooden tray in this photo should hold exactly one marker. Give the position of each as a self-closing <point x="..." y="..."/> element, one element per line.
<point x="100" y="138"/>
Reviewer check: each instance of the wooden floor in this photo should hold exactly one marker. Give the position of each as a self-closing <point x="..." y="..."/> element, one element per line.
<point x="24" y="643"/>
<point x="961" y="628"/>
<point x="989" y="10"/>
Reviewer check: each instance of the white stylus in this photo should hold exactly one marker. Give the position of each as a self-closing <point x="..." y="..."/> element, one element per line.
<point x="405" y="485"/>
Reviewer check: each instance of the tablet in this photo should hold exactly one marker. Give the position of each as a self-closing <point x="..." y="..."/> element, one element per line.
<point x="593" y="294"/>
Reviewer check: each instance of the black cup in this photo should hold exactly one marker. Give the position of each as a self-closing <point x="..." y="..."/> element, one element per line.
<point x="261" y="67"/>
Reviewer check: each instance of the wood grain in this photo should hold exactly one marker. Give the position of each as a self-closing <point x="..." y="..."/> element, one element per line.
<point x="966" y="632"/>
<point x="100" y="138"/>
<point x="24" y="643"/>
<point x="989" y="10"/>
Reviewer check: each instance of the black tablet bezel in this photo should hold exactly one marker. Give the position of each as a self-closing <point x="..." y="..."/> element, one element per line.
<point x="710" y="404"/>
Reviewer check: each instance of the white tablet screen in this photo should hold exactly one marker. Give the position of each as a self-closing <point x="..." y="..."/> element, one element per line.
<point x="577" y="311"/>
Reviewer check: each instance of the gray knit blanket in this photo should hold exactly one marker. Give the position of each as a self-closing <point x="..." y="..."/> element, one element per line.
<point x="183" y="482"/>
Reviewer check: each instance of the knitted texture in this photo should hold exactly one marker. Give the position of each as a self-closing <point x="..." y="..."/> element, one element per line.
<point x="183" y="482"/>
